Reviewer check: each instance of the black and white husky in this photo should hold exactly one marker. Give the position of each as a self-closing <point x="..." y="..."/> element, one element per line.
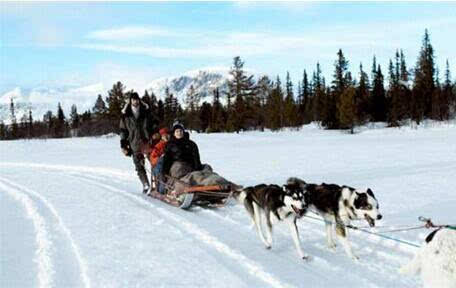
<point x="274" y="203"/>
<point x="339" y="205"/>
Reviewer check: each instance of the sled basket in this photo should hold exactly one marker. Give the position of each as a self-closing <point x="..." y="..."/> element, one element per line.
<point x="185" y="195"/>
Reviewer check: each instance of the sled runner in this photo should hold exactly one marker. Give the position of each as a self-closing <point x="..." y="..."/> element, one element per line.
<point x="203" y="188"/>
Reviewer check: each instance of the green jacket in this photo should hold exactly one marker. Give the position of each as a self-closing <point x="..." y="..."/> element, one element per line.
<point x="136" y="133"/>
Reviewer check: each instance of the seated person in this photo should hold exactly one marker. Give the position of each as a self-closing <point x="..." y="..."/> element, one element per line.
<point x="181" y="154"/>
<point x="156" y="158"/>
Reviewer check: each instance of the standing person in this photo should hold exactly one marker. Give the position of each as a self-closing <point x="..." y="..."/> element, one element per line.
<point x="181" y="154"/>
<point x="156" y="159"/>
<point x="136" y="128"/>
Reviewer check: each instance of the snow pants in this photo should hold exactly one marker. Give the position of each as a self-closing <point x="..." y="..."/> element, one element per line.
<point x="139" y="161"/>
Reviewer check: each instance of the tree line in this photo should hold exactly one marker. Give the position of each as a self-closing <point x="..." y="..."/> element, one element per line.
<point x="397" y="96"/>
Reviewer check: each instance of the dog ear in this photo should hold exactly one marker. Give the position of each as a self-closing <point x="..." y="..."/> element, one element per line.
<point x="370" y="193"/>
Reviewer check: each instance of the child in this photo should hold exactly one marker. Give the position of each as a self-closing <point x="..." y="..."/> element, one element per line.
<point x="156" y="158"/>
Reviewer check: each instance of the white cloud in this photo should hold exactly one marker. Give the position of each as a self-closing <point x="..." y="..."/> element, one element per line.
<point x="132" y="32"/>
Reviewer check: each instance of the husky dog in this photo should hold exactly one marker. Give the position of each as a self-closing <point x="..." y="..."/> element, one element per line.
<point x="435" y="260"/>
<point x="339" y="205"/>
<point x="274" y="203"/>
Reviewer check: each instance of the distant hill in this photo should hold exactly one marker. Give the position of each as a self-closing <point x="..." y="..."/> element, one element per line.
<point x="42" y="99"/>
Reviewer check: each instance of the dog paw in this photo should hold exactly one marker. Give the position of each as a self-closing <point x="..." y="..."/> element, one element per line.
<point x="268" y="247"/>
<point x="306" y="258"/>
<point x="354" y="257"/>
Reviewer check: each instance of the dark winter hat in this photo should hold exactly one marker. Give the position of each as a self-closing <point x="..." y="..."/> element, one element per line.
<point x="178" y="125"/>
<point x="134" y="95"/>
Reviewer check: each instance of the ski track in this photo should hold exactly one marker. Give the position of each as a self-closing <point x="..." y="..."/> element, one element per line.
<point x="44" y="244"/>
<point x="75" y="249"/>
<point x="252" y="267"/>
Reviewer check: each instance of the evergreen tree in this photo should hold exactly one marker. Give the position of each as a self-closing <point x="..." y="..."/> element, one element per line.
<point x="217" y="117"/>
<point x="192" y="100"/>
<point x="362" y="96"/>
<point x="30" y="125"/>
<point x="205" y="116"/>
<point x="342" y="79"/>
<point x="346" y="108"/>
<point x="437" y="105"/>
<point x="393" y="99"/>
<point x="241" y="87"/>
<point x="146" y="98"/>
<point x="448" y="94"/>
<point x="153" y="105"/>
<point x="116" y="100"/>
<point x="49" y="120"/>
<point x="161" y="112"/>
<point x="263" y="92"/>
<point x="378" y="97"/>
<point x="320" y="100"/>
<point x="290" y="109"/>
<point x="14" y="127"/>
<point x="100" y="106"/>
<point x="275" y="107"/>
<point x="74" y="117"/>
<point x="60" y="123"/>
<point x="424" y="82"/>
<point x="305" y="105"/>
<point x="3" y="133"/>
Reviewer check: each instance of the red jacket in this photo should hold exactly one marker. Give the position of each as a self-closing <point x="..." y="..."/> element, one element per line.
<point x="157" y="152"/>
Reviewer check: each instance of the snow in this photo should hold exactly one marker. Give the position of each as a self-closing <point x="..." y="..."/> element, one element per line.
<point x="73" y="214"/>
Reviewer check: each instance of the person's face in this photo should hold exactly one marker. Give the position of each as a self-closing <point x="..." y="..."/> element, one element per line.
<point x="135" y="102"/>
<point x="178" y="133"/>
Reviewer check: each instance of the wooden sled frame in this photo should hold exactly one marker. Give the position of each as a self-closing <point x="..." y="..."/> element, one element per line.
<point x="211" y="195"/>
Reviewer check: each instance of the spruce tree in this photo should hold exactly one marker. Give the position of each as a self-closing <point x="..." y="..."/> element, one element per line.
<point x="305" y="107"/>
<point x="263" y="92"/>
<point x="290" y="109"/>
<point x="424" y="82"/>
<point x="362" y="96"/>
<point x="116" y="100"/>
<point x="14" y="130"/>
<point x="346" y="108"/>
<point x="74" y="117"/>
<point x="60" y="123"/>
<point x="275" y="107"/>
<point x="30" y="125"/>
<point x="339" y="84"/>
<point x="241" y="87"/>
<point x="217" y="117"/>
<point x="378" y="97"/>
<point x="3" y="134"/>
<point x="99" y="108"/>
<point x="393" y="99"/>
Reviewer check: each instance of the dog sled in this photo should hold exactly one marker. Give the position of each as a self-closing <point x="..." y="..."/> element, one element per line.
<point x="202" y="188"/>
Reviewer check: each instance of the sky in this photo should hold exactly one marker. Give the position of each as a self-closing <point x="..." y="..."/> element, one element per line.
<point x="80" y="44"/>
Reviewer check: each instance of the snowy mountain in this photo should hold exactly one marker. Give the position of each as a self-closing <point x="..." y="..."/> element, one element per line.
<point x="204" y="81"/>
<point x="42" y="99"/>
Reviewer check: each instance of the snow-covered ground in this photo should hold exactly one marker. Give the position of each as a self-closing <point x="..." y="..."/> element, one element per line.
<point x="72" y="214"/>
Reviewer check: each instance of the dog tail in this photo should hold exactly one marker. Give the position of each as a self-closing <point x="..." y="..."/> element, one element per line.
<point x="241" y="193"/>
<point x="296" y="181"/>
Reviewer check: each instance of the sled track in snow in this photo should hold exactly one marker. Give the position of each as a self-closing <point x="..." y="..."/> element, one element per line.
<point x="24" y="195"/>
<point x="99" y="175"/>
<point x="200" y="234"/>
<point x="42" y="239"/>
<point x="377" y="249"/>
<point x="316" y="268"/>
